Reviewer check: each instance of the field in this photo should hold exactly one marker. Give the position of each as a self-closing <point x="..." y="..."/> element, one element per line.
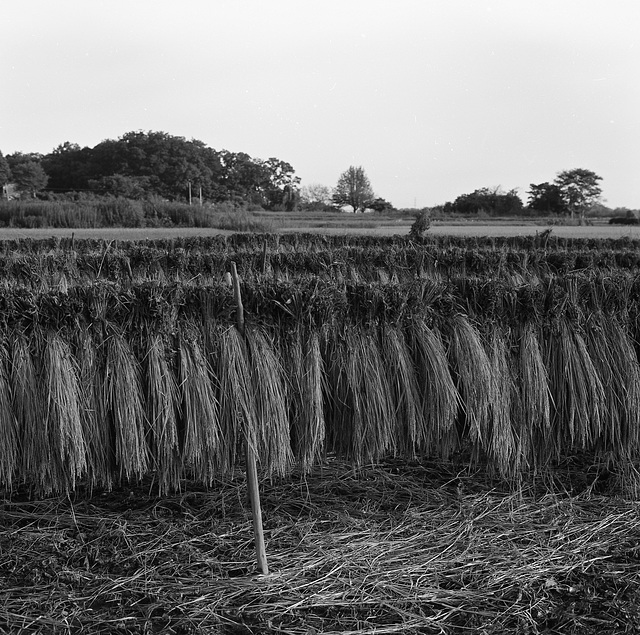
<point x="448" y="434"/>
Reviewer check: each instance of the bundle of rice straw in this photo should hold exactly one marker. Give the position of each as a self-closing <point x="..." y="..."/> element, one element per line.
<point x="199" y="410"/>
<point x="405" y="400"/>
<point x="272" y="431"/>
<point x="62" y="411"/>
<point x="306" y="414"/>
<point x="616" y="363"/>
<point x="97" y="433"/>
<point x="9" y="448"/>
<point x="504" y="442"/>
<point x="30" y="417"/>
<point x="533" y="416"/>
<point x="440" y="400"/>
<point x="473" y="371"/>
<point x="359" y="417"/>
<point x="162" y="403"/>
<point x="238" y="417"/>
<point x="123" y="406"/>
<point x="576" y="389"/>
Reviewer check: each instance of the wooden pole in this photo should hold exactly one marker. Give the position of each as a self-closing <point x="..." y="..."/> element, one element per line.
<point x="252" y="469"/>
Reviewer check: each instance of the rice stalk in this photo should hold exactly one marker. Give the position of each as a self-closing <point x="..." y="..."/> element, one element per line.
<point x="440" y="400"/>
<point x="199" y="410"/>
<point x="62" y="411"/>
<point x="405" y="401"/>
<point x="123" y="403"/>
<point x="272" y="421"/>
<point x="371" y="389"/>
<point x="533" y="417"/>
<point x="162" y="405"/>
<point x="504" y="443"/>
<point x="28" y="407"/>
<point x="473" y="371"/>
<point x="9" y="447"/>
<point x="306" y="413"/>
<point x="238" y="416"/>
<point x="576" y="389"/>
<point x="96" y="430"/>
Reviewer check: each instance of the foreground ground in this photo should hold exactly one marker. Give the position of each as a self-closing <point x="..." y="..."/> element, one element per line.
<point x="397" y="548"/>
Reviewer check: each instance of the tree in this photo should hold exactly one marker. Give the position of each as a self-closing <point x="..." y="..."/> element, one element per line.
<point x="29" y="177"/>
<point x="380" y="205"/>
<point x="353" y="189"/>
<point x="5" y="172"/>
<point x="316" y="194"/>
<point x="547" y="198"/>
<point x="579" y="188"/>
<point x="493" y="202"/>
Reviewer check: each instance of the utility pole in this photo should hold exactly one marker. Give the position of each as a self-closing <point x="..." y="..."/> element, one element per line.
<point x="189" y="182"/>
<point x="201" y="196"/>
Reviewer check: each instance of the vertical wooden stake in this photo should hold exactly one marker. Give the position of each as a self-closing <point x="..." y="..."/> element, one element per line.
<point x="252" y="470"/>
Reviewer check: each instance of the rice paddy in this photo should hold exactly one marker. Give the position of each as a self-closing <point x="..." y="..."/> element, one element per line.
<point x="446" y="433"/>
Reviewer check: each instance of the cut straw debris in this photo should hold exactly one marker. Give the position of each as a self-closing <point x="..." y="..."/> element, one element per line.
<point x="393" y="549"/>
<point x="199" y="410"/>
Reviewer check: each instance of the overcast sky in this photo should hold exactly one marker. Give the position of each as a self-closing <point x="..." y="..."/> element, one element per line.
<point x="434" y="98"/>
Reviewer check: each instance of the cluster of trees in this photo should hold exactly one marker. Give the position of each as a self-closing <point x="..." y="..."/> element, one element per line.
<point x="142" y="165"/>
<point x="573" y="192"/>
<point x="353" y="189"/>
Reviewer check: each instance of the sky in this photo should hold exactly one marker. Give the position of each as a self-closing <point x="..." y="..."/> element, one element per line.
<point x="433" y="98"/>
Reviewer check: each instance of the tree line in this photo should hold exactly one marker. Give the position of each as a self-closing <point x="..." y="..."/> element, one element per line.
<point x="141" y="165"/>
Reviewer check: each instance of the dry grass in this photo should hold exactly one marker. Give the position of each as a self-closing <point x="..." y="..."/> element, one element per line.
<point x="399" y="548"/>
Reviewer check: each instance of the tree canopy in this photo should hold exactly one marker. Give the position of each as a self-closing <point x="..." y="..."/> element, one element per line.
<point x="146" y="164"/>
<point x="354" y="189"/>
<point x="493" y="202"/>
<point x="580" y="189"/>
<point x="547" y="198"/>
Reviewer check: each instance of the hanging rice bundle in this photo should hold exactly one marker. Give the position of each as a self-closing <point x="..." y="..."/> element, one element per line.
<point x="404" y="394"/>
<point x="30" y="417"/>
<point x="238" y="418"/>
<point x="576" y="389"/>
<point x="199" y="410"/>
<point x="97" y="433"/>
<point x="9" y="444"/>
<point x="504" y="443"/>
<point x="439" y="398"/>
<point x="306" y="414"/>
<point x="533" y="416"/>
<point x="359" y="416"/>
<point x="614" y="357"/>
<point x="473" y="371"/>
<point x="272" y="421"/>
<point x="62" y="411"/>
<point x="376" y="436"/>
<point x="162" y="403"/>
<point x="122" y="401"/>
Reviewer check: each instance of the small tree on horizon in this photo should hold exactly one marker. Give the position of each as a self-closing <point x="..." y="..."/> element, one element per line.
<point x="354" y="189"/>
<point x="579" y="188"/>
